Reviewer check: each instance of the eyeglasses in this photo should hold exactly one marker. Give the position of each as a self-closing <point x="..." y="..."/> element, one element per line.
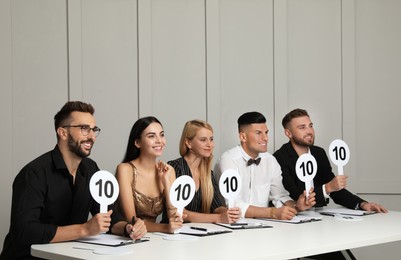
<point x="85" y="129"/>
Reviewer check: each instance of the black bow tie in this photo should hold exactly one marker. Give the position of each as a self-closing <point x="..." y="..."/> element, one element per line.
<point x="252" y="161"/>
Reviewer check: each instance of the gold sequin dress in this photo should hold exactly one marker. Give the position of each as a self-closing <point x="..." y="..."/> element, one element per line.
<point x="146" y="208"/>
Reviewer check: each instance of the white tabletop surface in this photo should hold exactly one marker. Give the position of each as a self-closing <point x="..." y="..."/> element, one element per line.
<point x="283" y="241"/>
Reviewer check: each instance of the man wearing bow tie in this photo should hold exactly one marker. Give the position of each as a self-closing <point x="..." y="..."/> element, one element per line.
<point x="262" y="193"/>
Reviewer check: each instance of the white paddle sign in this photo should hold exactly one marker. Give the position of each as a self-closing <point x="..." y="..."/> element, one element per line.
<point x="230" y="185"/>
<point x="104" y="189"/>
<point x="306" y="168"/>
<point x="339" y="154"/>
<point x="182" y="192"/>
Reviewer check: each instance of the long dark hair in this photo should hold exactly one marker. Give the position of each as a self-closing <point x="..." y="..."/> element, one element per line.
<point x="140" y="125"/>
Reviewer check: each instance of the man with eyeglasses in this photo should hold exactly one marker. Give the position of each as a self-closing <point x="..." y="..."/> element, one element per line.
<point x="51" y="200"/>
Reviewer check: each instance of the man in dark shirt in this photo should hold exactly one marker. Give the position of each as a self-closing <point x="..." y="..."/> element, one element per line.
<point x="51" y="200"/>
<point x="299" y="129"/>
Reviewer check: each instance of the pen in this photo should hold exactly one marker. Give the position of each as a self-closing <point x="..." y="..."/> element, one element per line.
<point x="200" y="229"/>
<point x="336" y="215"/>
<point x="132" y="225"/>
<point x="327" y="214"/>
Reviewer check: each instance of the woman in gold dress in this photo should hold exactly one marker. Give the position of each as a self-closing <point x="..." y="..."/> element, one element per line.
<point x="144" y="182"/>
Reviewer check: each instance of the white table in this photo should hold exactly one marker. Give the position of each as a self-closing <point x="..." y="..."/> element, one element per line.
<point x="283" y="241"/>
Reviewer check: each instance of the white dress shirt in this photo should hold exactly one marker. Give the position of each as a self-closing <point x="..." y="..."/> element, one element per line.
<point x="260" y="183"/>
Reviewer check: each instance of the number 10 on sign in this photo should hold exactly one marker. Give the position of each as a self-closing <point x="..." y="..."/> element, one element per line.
<point x="339" y="154"/>
<point x="306" y="168"/>
<point x="230" y="185"/>
<point x="104" y="189"/>
<point x="182" y="192"/>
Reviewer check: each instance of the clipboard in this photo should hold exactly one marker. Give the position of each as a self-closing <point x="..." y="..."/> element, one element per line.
<point x="245" y="225"/>
<point x="298" y="219"/>
<point x="201" y="232"/>
<point x="110" y="240"/>
<point x="345" y="211"/>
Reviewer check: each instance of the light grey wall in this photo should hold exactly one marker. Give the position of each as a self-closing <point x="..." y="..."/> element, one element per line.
<point x="206" y="59"/>
<point x="34" y="82"/>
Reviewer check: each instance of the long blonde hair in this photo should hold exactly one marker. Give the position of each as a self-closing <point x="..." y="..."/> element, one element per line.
<point x="205" y="167"/>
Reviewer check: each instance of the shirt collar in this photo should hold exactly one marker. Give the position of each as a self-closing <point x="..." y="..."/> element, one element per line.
<point x="245" y="156"/>
<point x="292" y="151"/>
<point x="58" y="159"/>
<point x="60" y="164"/>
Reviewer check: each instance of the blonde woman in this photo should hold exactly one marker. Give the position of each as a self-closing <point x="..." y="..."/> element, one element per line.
<point x="145" y="183"/>
<point x="196" y="150"/>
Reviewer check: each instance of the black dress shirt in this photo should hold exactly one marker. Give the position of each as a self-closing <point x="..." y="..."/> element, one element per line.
<point x="45" y="197"/>
<point x="287" y="158"/>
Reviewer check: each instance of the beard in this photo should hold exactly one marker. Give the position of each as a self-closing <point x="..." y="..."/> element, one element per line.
<point x="301" y="142"/>
<point x="75" y="147"/>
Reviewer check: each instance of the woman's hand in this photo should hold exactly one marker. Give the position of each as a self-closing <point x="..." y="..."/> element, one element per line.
<point x="164" y="172"/>
<point x="175" y="223"/>
<point x="137" y="230"/>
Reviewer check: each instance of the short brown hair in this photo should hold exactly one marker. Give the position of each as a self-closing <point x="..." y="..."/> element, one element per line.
<point x="298" y="112"/>
<point x="68" y="108"/>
